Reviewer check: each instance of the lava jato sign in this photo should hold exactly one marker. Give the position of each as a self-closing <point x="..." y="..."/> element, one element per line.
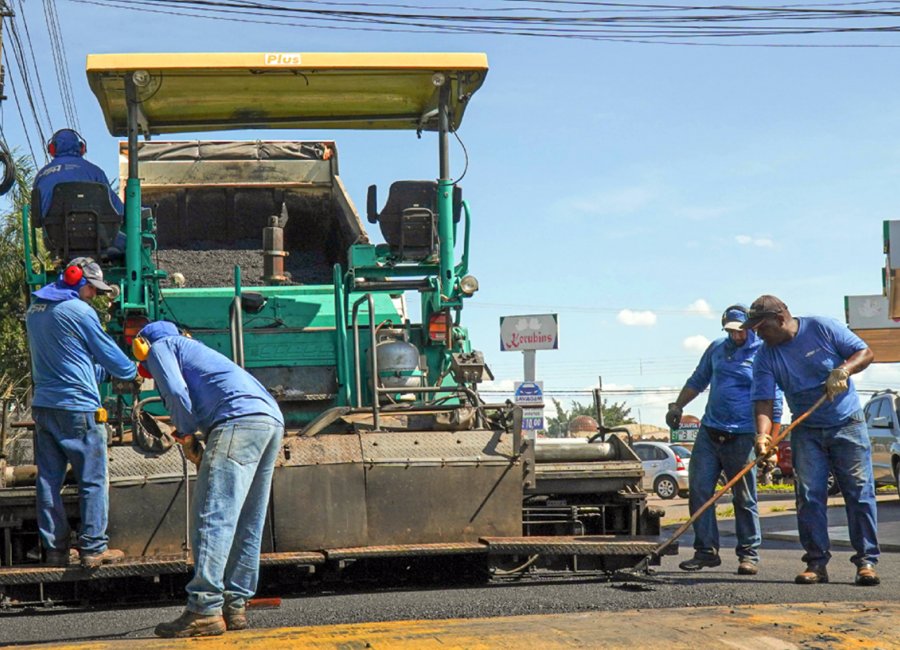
<point x="530" y="396"/>
<point x="534" y="332"/>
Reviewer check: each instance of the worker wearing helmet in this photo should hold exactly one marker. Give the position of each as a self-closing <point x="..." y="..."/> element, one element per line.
<point x="70" y="355"/>
<point x="807" y="357"/>
<point x="240" y="421"/>
<point x="724" y="442"/>
<point x="68" y="165"/>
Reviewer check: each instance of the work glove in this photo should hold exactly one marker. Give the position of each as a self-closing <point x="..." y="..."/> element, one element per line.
<point x="836" y="382"/>
<point x="193" y="449"/>
<point x="136" y="382"/>
<point x="761" y="446"/>
<point x="673" y="417"/>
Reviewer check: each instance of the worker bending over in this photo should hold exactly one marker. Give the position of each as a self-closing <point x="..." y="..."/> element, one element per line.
<point x="804" y="356"/>
<point x="242" y="427"/>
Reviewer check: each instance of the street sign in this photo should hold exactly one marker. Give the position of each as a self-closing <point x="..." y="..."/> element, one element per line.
<point x="869" y="318"/>
<point x="533" y="332"/>
<point x="687" y="432"/>
<point x="529" y="393"/>
<point x="530" y="396"/>
<point x="533" y="419"/>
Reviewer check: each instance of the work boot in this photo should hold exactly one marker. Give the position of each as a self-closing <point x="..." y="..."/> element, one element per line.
<point x="700" y="561"/>
<point x="235" y="618"/>
<point x="62" y="558"/>
<point x="814" y="574"/>
<point x="109" y="556"/>
<point x="866" y="576"/>
<point x="747" y="568"/>
<point x="191" y="624"/>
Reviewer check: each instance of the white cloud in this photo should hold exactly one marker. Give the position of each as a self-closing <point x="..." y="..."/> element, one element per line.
<point x="747" y="240"/>
<point x="624" y="200"/>
<point x="697" y="343"/>
<point x="701" y="213"/>
<point x="638" y="318"/>
<point x="701" y="307"/>
<point x="505" y="385"/>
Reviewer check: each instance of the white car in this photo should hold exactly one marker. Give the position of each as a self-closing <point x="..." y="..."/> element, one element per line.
<point x="665" y="468"/>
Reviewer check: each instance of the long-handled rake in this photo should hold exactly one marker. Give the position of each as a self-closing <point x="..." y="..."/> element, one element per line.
<point x="656" y="554"/>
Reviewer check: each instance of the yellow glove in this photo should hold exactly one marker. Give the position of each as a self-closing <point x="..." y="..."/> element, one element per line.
<point x="836" y="382"/>
<point x="761" y="447"/>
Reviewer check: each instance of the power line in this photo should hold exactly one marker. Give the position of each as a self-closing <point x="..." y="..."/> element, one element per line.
<point x="33" y="58"/>
<point x="58" y="50"/>
<point x="19" y="109"/>
<point x="623" y="22"/>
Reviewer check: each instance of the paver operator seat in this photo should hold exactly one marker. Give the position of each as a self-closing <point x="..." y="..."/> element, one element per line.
<point x="408" y="220"/>
<point x="81" y="221"/>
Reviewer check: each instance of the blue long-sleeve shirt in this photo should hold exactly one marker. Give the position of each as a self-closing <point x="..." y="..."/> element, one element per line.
<point x="70" y="352"/>
<point x="68" y="165"/>
<point x="801" y="366"/>
<point x="200" y="387"/>
<point x="727" y="369"/>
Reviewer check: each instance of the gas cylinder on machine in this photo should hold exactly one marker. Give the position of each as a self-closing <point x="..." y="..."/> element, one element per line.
<point x="398" y="361"/>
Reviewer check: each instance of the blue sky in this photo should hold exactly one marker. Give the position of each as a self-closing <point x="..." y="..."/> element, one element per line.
<point x="635" y="189"/>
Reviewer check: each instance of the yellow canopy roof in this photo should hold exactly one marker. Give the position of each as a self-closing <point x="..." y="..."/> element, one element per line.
<point x="208" y="92"/>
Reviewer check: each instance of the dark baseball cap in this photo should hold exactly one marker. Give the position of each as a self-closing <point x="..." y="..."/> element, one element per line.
<point x="91" y="272"/>
<point x="762" y="308"/>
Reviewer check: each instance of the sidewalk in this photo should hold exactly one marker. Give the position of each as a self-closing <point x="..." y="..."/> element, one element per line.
<point x="781" y="523"/>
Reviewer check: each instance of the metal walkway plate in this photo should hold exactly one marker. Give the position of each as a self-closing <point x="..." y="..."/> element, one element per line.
<point x="33" y="574"/>
<point x="400" y="550"/>
<point x="589" y="545"/>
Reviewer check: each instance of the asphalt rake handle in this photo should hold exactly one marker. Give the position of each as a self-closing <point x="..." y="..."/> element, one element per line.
<point x="643" y="564"/>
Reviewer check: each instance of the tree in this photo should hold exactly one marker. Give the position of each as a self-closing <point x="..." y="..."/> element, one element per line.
<point x="614" y="415"/>
<point x="14" y="358"/>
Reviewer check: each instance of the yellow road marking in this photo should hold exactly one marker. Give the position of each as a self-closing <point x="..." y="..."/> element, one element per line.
<point x="751" y="627"/>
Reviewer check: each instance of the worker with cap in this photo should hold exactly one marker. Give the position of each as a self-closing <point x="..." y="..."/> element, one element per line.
<point x="70" y="355"/>
<point x="806" y="357"/>
<point x="242" y="427"/>
<point x="69" y="165"/>
<point x="724" y="442"/>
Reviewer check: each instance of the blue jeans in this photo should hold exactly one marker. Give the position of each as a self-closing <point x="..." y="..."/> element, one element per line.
<point x="708" y="459"/>
<point x="846" y="451"/>
<point x="71" y="437"/>
<point x="228" y="511"/>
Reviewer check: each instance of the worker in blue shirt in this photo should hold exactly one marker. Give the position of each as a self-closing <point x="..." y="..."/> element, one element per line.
<point x="804" y="357"/>
<point x="242" y="425"/>
<point x="68" y="165"/>
<point x="724" y="442"/>
<point x="70" y="355"/>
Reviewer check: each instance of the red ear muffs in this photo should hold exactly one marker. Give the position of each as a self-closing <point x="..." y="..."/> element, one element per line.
<point x="51" y="145"/>
<point x="72" y="275"/>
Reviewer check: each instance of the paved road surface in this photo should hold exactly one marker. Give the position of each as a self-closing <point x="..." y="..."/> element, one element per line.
<point x="535" y="596"/>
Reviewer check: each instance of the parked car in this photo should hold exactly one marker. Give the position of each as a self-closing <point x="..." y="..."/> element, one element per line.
<point x="665" y="468"/>
<point x="883" y="422"/>
<point x="786" y="467"/>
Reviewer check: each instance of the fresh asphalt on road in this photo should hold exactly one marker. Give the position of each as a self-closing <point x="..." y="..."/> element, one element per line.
<point x="668" y="588"/>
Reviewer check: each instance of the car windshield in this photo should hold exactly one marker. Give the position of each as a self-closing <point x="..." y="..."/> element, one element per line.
<point x="684" y="452"/>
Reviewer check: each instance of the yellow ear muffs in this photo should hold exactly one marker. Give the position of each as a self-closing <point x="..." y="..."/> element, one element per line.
<point x="140" y="348"/>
